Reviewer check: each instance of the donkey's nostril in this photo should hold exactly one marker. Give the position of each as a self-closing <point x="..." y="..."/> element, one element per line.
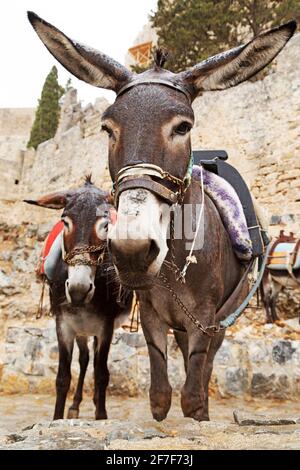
<point x="134" y="255"/>
<point x="152" y="252"/>
<point x="79" y="292"/>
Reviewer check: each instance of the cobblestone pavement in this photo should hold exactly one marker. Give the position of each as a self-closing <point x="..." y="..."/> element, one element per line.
<point x="130" y="426"/>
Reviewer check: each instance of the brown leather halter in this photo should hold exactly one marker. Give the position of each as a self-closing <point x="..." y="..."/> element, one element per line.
<point x="141" y="175"/>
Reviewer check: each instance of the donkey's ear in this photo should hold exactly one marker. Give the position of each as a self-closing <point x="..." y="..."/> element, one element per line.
<point x="239" y="64"/>
<point x="51" y="201"/>
<point x="85" y="63"/>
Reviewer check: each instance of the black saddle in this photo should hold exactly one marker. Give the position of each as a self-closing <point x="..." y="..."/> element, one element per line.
<point x="215" y="161"/>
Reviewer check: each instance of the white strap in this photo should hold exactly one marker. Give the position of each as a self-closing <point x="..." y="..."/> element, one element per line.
<point x="191" y="258"/>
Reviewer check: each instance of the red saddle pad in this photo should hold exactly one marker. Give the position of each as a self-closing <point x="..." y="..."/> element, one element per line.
<point x="58" y="227"/>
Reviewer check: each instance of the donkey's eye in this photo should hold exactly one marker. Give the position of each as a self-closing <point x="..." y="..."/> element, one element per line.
<point x="101" y="228"/>
<point x="67" y="223"/>
<point x="107" y="129"/>
<point x="183" y="128"/>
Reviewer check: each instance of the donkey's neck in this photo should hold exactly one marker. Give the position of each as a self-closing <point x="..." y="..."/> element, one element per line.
<point x="213" y="252"/>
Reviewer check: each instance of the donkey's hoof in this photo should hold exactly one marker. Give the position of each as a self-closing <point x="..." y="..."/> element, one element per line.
<point x="159" y="416"/>
<point x="72" y="413"/>
<point x="159" y="413"/>
<point x="198" y="416"/>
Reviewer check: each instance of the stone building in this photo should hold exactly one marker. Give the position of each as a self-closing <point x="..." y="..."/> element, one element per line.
<point x="141" y="50"/>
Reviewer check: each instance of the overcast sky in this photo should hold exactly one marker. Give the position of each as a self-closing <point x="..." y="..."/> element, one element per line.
<point x="108" y="25"/>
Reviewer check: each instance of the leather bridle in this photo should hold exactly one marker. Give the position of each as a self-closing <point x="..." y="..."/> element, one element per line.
<point x="140" y="175"/>
<point x="147" y="175"/>
<point x="155" y="81"/>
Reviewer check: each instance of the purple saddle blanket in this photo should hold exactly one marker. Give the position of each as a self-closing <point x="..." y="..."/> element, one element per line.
<point x="230" y="209"/>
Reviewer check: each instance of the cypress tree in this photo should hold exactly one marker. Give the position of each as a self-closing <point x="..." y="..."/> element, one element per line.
<point x="47" y="113"/>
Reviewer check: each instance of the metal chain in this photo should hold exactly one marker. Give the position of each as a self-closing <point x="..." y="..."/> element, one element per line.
<point x="208" y="330"/>
<point x="82" y="250"/>
<point x="172" y="264"/>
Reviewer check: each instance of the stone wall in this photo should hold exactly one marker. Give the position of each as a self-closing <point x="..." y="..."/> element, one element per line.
<point x="267" y="368"/>
<point x="15" y="125"/>
<point x="257" y="123"/>
<point x="78" y="148"/>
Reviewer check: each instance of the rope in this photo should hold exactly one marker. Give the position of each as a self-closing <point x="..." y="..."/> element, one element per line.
<point x="39" y="312"/>
<point x="191" y="258"/>
<point x="135" y="311"/>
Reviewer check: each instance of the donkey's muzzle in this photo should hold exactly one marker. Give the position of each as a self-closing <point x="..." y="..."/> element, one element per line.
<point x="132" y="259"/>
<point x="79" y="293"/>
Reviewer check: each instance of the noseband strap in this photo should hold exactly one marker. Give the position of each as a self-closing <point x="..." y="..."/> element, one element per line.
<point x="141" y="175"/>
<point x="146" y="182"/>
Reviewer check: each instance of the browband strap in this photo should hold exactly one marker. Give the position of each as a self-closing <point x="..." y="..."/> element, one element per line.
<point x="157" y="81"/>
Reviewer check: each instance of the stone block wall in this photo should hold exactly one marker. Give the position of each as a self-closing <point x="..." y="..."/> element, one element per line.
<point x="15" y="125"/>
<point x="257" y="123"/>
<point x="267" y="368"/>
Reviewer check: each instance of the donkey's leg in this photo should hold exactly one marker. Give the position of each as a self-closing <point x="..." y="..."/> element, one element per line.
<point x="83" y="362"/>
<point x="274" y="316"/>
<point x="213" y="348"/>
<point x="193" y="391"/>
<point x="101" y="373"/>
<point x="183" y="343"/>
<point x="155" y="333"/>
<point x="267" y="301"/>
<point x="265" y="289"/>
<point x="63" y="379"/>
<point x="275" y="292"/>
<point x="265" y="294"/>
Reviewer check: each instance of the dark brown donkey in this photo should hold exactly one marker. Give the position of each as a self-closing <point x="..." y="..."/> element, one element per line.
<point x="83" y="292"/>
<point x="149" y="124"/>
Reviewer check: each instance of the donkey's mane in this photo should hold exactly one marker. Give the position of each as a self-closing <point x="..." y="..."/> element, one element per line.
<point x="160" y="57"/>
<point x="88" y="180"/>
